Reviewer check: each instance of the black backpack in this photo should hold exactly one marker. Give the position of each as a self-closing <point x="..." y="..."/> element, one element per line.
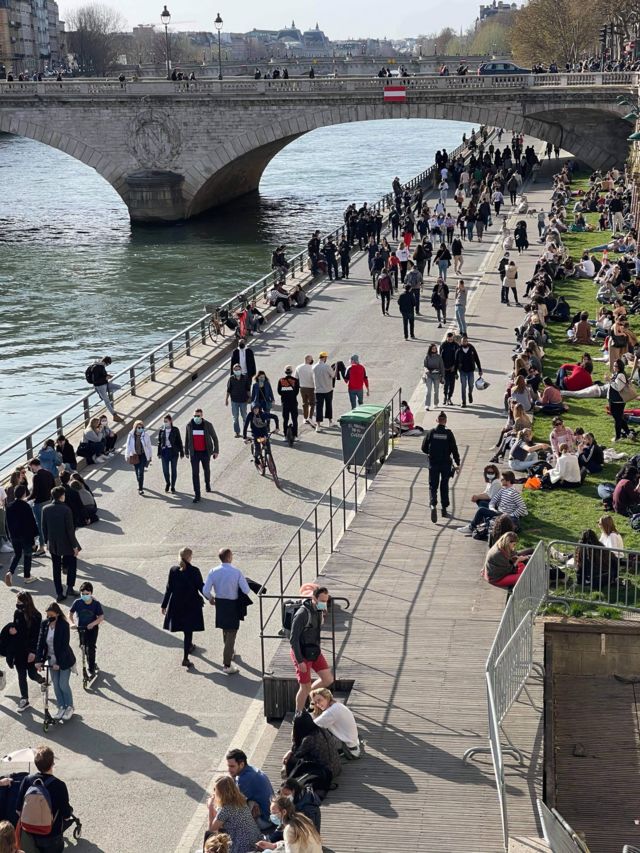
<point x="289" y="610"/>
<point x="88" y="374"/>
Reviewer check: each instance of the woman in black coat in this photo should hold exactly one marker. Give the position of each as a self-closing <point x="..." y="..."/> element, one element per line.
<point x="183" y="602"/>
<point x="25" y="632"/>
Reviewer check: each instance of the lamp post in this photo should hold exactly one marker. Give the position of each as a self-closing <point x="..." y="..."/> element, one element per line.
<point x="218" y="26"/>
<point x="165" y="17"/>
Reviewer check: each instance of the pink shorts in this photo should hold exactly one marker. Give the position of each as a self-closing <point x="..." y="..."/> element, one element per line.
<point x="317" y="665"/>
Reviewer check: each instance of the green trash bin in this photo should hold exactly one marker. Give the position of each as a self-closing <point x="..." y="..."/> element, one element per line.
<point x="354" y="426"/>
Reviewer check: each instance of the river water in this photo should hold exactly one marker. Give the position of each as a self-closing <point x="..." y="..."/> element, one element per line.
<point x="77" y="281"/>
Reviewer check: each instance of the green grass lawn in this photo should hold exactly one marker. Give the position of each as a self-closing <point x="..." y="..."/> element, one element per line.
<point x="564" y="514"/>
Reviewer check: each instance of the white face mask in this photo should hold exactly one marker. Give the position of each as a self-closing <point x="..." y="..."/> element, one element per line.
<point x="490" y="477"/>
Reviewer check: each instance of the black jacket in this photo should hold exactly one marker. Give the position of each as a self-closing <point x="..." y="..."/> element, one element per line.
<point x="467" y="361"/>
<point x="305" y="630"/>
<point x="183" y="600"/>
<point x="65" y="657"/>
<point x="239" y="390"/>
<point x="448" y="352"/>
<point x="41" y="486"/>
<point x="175" y="440"/>
<point x="288" y="389"/>
<point x="59" y="800"/>
<point x="25" y="642"/>
<point x="251" y="361"/>
<point x="58" y="529"/>
<point x="440" y="445"/>
<point x="73" y="500"/>
<point x="406" y="303"/>
<point x="21" y="522"/>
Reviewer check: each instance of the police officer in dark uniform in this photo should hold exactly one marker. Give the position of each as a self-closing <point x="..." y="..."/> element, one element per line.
<point x="440" y="446"/>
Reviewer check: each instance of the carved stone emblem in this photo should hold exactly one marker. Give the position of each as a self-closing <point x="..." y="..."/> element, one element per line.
<point x="154" y="140"/>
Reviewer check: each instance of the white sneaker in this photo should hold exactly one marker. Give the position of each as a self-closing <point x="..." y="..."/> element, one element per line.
<point x="68" y="713"/>
<point x="467" y="529"/>
<point x="100" y="459"/>
<point x="30" y="579"/>
<point x="23" y="704"/>
<point x="6" y="548"/>
<point x="230" y="670"/>
<point x="318" y="428"/>
<point x="59" y="714"/>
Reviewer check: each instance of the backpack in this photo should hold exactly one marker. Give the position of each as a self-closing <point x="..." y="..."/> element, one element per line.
<point x="88" y="374"/>
<point x="635" y="521"/>
<point x="289" y="610"/>
<point x="37" y="816"/>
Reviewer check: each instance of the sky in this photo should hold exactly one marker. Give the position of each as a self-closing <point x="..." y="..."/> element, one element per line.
<point x="338" y="19"/>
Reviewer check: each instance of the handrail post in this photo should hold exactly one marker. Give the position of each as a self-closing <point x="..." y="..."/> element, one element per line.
<point x="29" y="445"/>
<point x="187" y="341"/>
<point x="331" y="517"/>
<point x="344" y="502"/>
<point x="59" y="423"/>
<point x="171" y="354"/>
<point x="315" y="518"/>
<point x="261" y="635"/>
<point x="203" y="331"/>
<point x="281" y="577"/>
<point x="300" y="555"/>
<point x="132" y="381"/>
<point x="333" y="642"/>
<point x="86" y="410"/>
<point x="152" y="367"/>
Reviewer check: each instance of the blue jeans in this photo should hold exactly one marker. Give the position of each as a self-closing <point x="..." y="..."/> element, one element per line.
<point x="356" y="397"/>
<point x="466" y="383"/>
<point x="37" y="511"/>
<point x="460" y="319"/>
<point x="443" y="266"/>
<point x="238" y="410"/>
<point x="60" y="680"/>
<point x="140" y="469"/>
<point x="483" y="513"/>
<point x="169" y="469"/>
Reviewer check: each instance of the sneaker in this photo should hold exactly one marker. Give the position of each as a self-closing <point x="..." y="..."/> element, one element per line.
<point x="434" y="514"/>
<point x="7" y="578"/>
<point x="318" y="428"/>
<point x="30" y="579"/>
<point x="60" y="598"/>
<point x="173" y="490"/>
<point x="230" y="670"/>
<point x="100" y="459"/>
<point x="68" y="713"/>
<point x="444" y="513"/>
<point x="23" y="704"/>
<point x="330" y="423"/>
<point x="467" y="529"/>
<point x="59" y="714"/>
<point x="167" y="487"/>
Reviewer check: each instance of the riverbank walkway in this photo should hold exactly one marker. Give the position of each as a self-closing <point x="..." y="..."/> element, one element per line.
<point x="417" y="635"/>
<point x="145" y="742"/>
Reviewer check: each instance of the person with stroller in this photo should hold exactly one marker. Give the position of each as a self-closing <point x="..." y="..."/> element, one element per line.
<point x="60" y="805"/>
<point x="54" y="647"/>
<point x="87" y="615"/>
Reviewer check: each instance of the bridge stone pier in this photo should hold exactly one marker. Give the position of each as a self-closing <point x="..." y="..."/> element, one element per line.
<point x="175" y="149"/>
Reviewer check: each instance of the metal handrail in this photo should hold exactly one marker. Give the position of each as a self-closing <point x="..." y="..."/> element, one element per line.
<point x="165" y="353"/>
<point x="336" y="498"/>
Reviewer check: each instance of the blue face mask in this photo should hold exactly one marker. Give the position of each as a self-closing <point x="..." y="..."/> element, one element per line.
<point x="197" y="420"/>
<point x="86" y="597"/>
<point x="321" y="605"/>
<point x="139" y="430"/>
<point x="275" y="819"/>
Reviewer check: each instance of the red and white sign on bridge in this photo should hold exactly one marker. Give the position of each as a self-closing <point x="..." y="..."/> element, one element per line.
<point x="395" y="94"/>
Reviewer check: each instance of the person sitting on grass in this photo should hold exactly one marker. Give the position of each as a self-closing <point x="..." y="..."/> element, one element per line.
<point x="609" y="535"/>
<point x="576" y="377"/>
<point x="591" y="455"/>
<point x="523" y="454"/>
<point x="596" y="567"/>
<point x="566" y="472"/>
<point x="517" y="419"/>
<point x="581" y="331"/>
<point x="626" y="497"/>
<point x="506" y="500"/>
<point x="502" y="567"/>
<point x="551" y="400"/>
<point x="561" y="434"/>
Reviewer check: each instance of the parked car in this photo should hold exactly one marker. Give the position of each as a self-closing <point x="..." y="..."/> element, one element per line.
<point x="502" y="68"/>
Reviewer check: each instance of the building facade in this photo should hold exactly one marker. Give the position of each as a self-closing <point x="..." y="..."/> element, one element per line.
<point x="29" y="36"/>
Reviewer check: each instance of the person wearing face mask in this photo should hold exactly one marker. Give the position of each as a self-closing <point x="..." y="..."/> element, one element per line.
<point x="239" y="392"/>
<point x="169" y="449"/>
<point x="306" y="651"/>
<point x="24" y="635"/>
<point x="87" y="615"/>
<point x="54" y="647"/>
<point x="108" y="436"/>
<point x="288" y="389"/>
<point x="262" y="392"/>
<point x="138" y="452"/>
<point x="299" y="835"/>
<point x="466" y="360"/>
<point x="243" y="355"/>
<point x="200" y="446"/>
<point x="492" y="486"/>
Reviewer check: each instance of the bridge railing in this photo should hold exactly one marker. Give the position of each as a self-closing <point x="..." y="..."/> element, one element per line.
<point x="318" y="85"/>
<point x="166" y="354"/>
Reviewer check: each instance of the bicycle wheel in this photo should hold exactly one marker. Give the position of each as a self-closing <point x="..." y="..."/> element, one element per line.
<point x="272" y="469"/>
<point x="261" y="463"/>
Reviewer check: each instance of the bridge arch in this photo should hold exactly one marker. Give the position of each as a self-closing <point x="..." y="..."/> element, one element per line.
<point x="595" y="135"/>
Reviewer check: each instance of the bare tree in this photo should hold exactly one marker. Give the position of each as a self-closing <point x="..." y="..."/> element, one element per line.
<point x="95" y="37"/>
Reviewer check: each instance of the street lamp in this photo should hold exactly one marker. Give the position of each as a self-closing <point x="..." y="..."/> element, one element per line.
<point x="165" y="17"/>
<point x="218" y="26"/>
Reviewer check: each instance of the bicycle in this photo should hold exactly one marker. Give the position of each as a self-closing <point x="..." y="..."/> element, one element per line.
<point x="263" y="457"/>
<point x="221" y="323"/>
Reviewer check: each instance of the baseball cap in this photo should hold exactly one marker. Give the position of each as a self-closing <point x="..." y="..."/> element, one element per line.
<point x="323" y="354"/>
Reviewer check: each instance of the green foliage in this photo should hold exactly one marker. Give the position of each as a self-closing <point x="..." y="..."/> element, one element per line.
<point x="560" y="30"/>
<point x="492" y="38"/>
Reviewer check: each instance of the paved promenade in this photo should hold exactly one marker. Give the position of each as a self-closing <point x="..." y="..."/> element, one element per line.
<point x="140" y="752"/>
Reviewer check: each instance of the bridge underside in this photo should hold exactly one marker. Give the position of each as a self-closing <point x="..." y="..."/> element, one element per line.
<point x="174" y="158"/>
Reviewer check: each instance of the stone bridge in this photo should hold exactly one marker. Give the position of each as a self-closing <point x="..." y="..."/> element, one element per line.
<point x="175" y="149"/>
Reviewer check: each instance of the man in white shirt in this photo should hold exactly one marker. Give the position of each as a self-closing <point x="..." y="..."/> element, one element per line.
<point x="304" y="375"/>
<point x="323" y="376"/>
<point x="586" y="268"/>
<point x="222" y="588"/>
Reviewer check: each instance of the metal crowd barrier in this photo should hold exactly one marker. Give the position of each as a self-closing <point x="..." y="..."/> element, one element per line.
<point x="560" y="837"/>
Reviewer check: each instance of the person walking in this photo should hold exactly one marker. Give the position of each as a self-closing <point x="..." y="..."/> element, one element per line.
<point x="169" y="449"/>
<point x="442" y="260"/>
<point x="433" y="375"/>
<point x="54" y="646"/>
<point x="288" y="391"/>
<point x="448" y="350"/>
<point x="323" y="376"/>
<point x="183" y="602"/>
<point x="200" y="446"/>
<point x="384" y="286"/>
<point x="41" y="487"/>
<point x="304" y="375"/>
<point x="357" y="380"/>
<point x="59" y="534"/>
<point x="98" y="376"/>
<point x="243" y="355"/>
<point x="262" y="392"/>
<point x="402" y="254"/>
<point x="138" y="452"/>
<point x="456" y="254"/>
<point x="461" y="307"/>
<point x="344" y="253"/>
<point x="440" y="446"/>
<point x="306" y="649"/>
<point x="227" y="588"/>
<point x="414" y="280"/>
<point x="439" y="297"/>
<point x="239" y="392"/>
<point x="467" y="360"/>
<point x="22" y="527"/>
<point x="24" y="634"/>
<point x="407" y="304"/>
<point x="498" y="200"/>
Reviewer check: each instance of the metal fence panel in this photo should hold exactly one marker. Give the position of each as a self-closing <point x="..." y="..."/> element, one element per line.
<point x="560" y="837"/>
